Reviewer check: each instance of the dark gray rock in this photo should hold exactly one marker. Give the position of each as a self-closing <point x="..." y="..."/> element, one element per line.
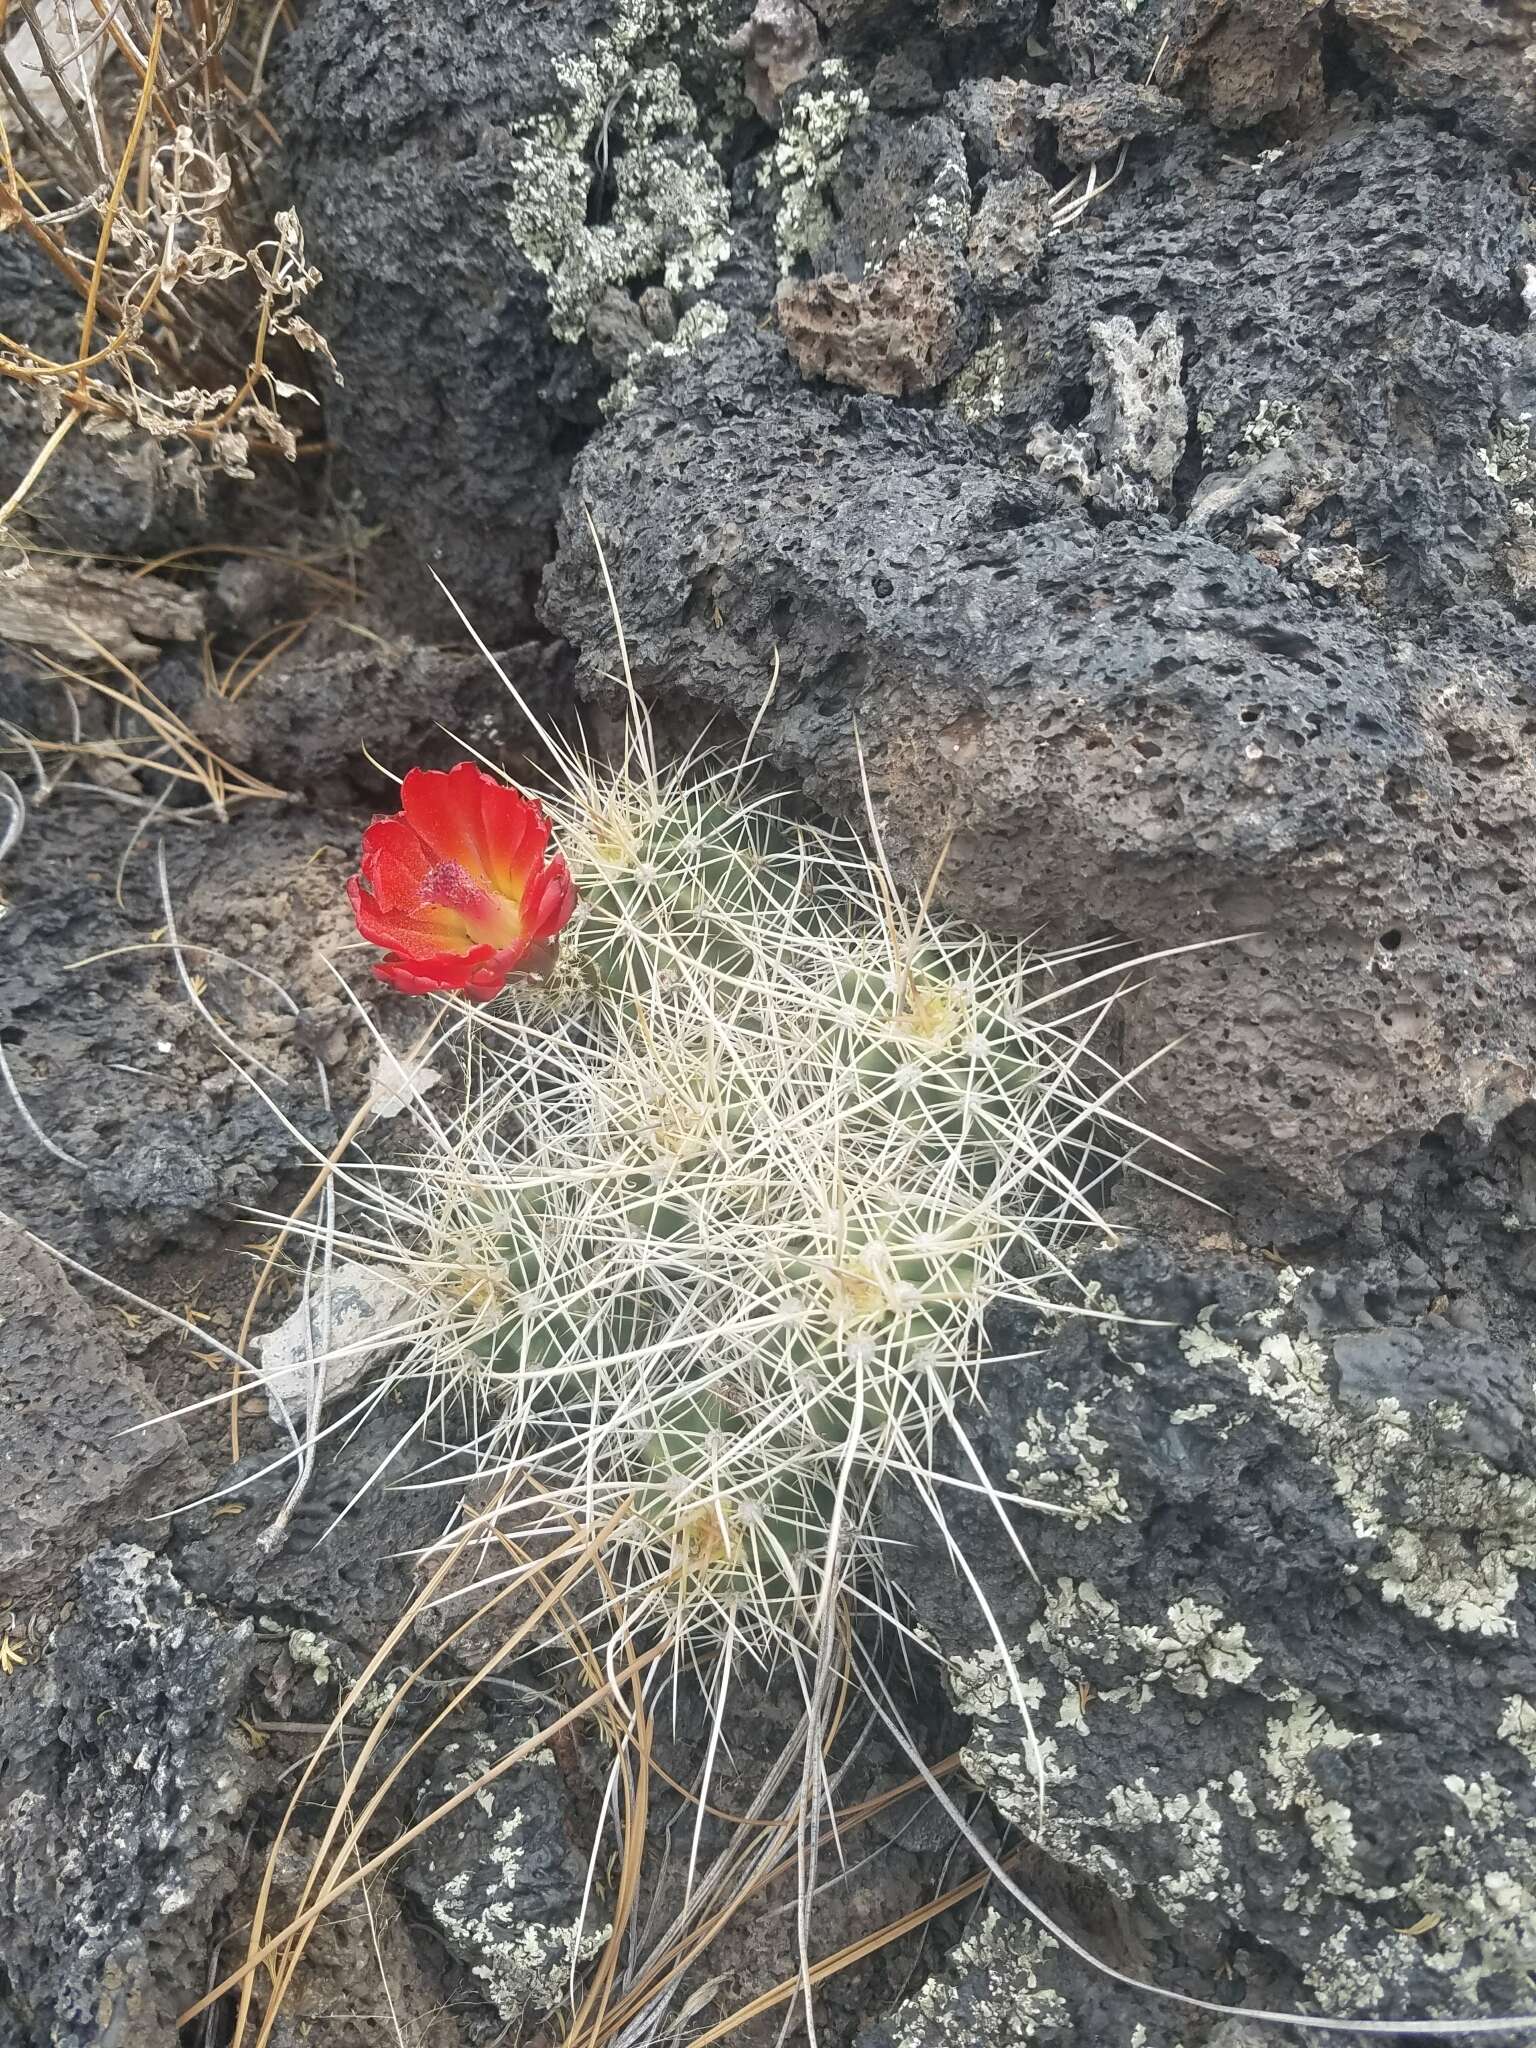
<point x="903" y="80"/>
<point x="1455" y="56"/>
<point x="306" y="727"/>
<point x="1008" y="1984"/>
<point x="1277" y="1641"/>
<point x="469" y="194"/>
<point x="1103" y="39"/>
<point x="1131" y="729"/>
<point x="96" y="495"/>
<point x="1006" y="242"/>
<point x="123" y="1786"/>
<point x="889" y="306"/>
<point x="440" y="327"/>
<point x="346" y="1569"/>
<point x="499" y="1879"/>
<point x="1347" y="302"/>
<point x="996" y="28"/>
<point x="116" y="1066"/>
<point x="616" y="330"/>
<point x="1444" y="1221"/>
<point x="84" y="1450"/>
<point x="999" y="119"/>
<point x="894" y="177"/>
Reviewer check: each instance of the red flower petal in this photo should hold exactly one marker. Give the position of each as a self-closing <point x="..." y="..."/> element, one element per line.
<point x="548" y="905"/>
<point x="405" y="931"/>
<point x="444" y="808"/>
<point x="395" y="863"/>
<point x="457" y="888"/>
<point x="516" y="837"/>
<point x="426" y="973"/>
<point x="480" y="973"/>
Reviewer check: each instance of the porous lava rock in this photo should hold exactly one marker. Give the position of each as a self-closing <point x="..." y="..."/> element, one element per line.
<point x="119" y="1809"/>
<point x="1458" y="57"/>
<point x="119" y="1070"/>
<point x="1355" y="358"/>
<point x="84" y="1450"/>
<point x="469" y="194"/>
<point x="1275" y="1642"/>
<point x="900" y="331"/>
<point x="1124" y="727"/>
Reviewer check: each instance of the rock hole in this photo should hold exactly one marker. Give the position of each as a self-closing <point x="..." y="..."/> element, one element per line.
<point x="1390" y="941"/>
<point x="1075" y="401"/>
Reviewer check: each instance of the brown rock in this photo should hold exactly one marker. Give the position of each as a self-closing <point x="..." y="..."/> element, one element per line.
<point x="1467" y="56"/>
<point x="363" y="1955"/>
<point x="63" y="609"/>
<point x="1089" y="125"/>
<point x="1241" y="61"/>
<point x="780" y="44"/>
<point x="904" y="328"/>
<point x="1008" y="231"/>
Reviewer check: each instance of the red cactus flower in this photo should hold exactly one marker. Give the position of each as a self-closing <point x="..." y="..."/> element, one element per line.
<point x="457" y="885"/>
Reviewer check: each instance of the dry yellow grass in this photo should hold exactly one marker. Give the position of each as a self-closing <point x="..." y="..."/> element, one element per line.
<point x="130" y="140"/>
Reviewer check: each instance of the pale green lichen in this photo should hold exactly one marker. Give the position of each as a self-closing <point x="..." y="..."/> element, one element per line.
<point x="1451" y="1534"/>
<point x="1469" y="1906"/>
<point x="1274" y="424"/>
<point x="670" y="212"/>
<point x="1090" y="1492"/>
<point x="1510" y="461"/>
<point x="1458" y="1532"/>
<point x="1467" y="1910"/>
<point x="311" y="1653"/>
<point x="1194" y="1649"/>
<point x="804" y="161"/>
<point x="1518" y="1727"/>
<point x="699" y="323"/>
<point x="1200" y="1412"/>
<point x="1292" y="1741"/>
<point x="1076" y="1619"/>
<point x="983" y="1687"/>
<point x="1197" y="1646"/>
<point x="522" y="1963"/>
<point x="376" y="1698"/>
<point x="1197" y="1871"/>
<point x="1290" y="1744"/>
<point x="1010" y="2005"/>
<point x="979" y="391"/>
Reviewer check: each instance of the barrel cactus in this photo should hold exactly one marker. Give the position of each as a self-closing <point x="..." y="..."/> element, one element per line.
<point x="710" y="1245"/>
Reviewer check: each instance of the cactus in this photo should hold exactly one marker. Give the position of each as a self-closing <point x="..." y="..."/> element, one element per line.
<point x="717" y="1231"/>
